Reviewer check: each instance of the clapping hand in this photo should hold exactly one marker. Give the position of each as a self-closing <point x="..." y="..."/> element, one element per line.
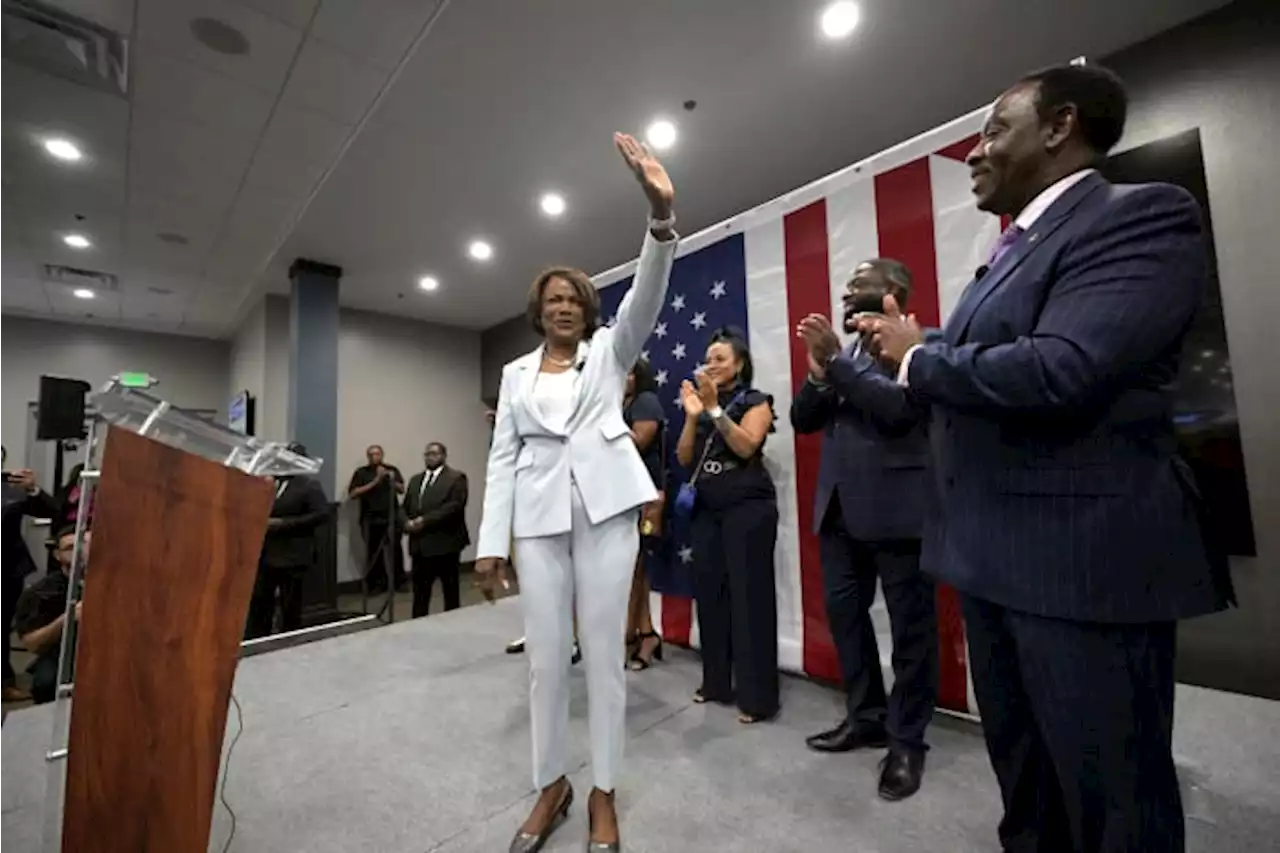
<point x="708" y="394"/>
<point x="890" y="335"/>
<point x="690" y="400"/>
<point x="821" y="343"/>
<point x="653" y="178"/>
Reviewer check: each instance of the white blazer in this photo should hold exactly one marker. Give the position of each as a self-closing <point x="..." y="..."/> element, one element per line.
<point x="532" y="465"/>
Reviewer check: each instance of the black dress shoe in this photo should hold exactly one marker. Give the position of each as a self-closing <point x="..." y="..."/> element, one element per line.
<point x="847" y="737"/>
<point x="900" y="773"/>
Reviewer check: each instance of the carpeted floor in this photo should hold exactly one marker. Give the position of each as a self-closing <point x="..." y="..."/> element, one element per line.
<point x="414" y="739"/>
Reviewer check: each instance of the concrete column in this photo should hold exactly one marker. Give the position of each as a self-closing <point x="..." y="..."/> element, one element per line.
<point x="313" y="363"/>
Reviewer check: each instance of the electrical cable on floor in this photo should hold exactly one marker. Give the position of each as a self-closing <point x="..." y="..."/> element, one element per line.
<point x="222" y="789"/>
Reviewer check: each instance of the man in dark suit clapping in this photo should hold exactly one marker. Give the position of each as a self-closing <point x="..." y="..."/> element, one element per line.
<point x="435" y="505"/>
<point x="1066" y="518"/>
<point x="868" y="513"/>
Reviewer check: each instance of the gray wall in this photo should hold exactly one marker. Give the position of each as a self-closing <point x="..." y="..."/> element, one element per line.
<point x="401" y="384"/>
<point x="1222" y="74"/>
<point x="193" y="372"/>
<point x="499" y="345"/>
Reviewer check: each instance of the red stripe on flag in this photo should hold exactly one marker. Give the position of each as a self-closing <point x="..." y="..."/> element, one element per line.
<point x="959" y="150"/>
<point x="677" y="619"/>
<point x="809" y="292"/>
<point x="904" y="221"/>
<point x="904" y="217"/>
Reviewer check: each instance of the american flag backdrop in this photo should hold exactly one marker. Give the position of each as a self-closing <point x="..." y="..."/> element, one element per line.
<point x="764" y="270"/>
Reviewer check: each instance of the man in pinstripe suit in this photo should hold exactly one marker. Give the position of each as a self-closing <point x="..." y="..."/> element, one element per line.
<point x="1064" y="516"/>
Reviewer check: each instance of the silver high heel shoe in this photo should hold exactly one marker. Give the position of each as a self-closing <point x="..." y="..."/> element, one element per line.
<point x="599" y="846"/>
<point x="525" y="842"/>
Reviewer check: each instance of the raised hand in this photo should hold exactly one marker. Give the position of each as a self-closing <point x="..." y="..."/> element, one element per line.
<point x="649" y="172"/>
<point x="689" y="400"/>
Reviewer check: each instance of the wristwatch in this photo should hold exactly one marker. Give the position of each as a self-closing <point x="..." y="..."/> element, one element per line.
<point x="715" y="413"/>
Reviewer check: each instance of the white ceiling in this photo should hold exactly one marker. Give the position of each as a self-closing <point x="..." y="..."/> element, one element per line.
<point x="381" y="135"/>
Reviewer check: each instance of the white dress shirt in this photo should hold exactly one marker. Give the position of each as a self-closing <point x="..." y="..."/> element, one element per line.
<point x="1032" y="212"/>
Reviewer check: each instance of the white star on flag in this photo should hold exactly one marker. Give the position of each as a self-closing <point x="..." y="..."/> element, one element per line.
<point x="612" y="321"/>
<point x="661" y="378"/>
<point x="677" y="304"/>
<point x="678" y="352"/>
<point x="717" y="290"/>
<point x="660" y="330"/>
<point x="678" y="402"/>
<point x="644" y="353"/>
<point x="699" y="320"/>
<point x="686" y="555"/>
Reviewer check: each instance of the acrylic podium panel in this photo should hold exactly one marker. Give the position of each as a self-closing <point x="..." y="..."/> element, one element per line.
<point x="180" y="511"/>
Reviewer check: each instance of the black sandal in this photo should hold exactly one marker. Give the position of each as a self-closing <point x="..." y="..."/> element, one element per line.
<point x="639" y="663"/>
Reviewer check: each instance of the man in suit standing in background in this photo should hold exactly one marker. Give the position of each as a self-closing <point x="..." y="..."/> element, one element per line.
<point x="1066" y="519"/>
<point x="288" y="552"/>
<point x="868" y="513"/>
<point x="435" y="506"/>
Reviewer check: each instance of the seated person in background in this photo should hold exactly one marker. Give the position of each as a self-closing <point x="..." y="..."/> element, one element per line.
<point x="41" y="616"/>
<point x="22" y="498"/>
<point x="288" y="552"/>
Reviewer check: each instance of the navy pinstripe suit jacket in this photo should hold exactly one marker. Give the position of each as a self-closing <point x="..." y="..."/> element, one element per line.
<point x="1059" y="491"/>
<point x="874" y="449"/>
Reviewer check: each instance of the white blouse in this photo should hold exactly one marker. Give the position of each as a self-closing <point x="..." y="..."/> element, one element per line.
<point x="554" y="394"/>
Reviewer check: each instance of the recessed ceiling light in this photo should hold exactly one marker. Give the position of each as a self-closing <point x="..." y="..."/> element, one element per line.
<point x="480" y="250"/>
<point x="76" y="241"/>
<point x="172" y="238"/>
<point x="661" y="134"/>
<point x="83" y="293"/>
<point x="62" y="149"/>
<point x="552" y="204"/>
<point x="428" y="283"/>
<point x="840" y="19"/>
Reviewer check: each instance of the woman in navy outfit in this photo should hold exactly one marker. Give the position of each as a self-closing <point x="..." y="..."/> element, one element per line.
<point x="643" y="413"/>
<point x="733" y="529"/>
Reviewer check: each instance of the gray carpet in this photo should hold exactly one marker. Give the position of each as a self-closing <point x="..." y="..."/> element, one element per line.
<point x="414" y="738"/>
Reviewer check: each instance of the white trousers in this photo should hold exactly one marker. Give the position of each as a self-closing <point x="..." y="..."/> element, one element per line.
<point x="591" y="565"/>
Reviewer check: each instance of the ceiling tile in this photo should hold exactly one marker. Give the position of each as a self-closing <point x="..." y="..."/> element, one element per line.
<point x="166" y="24"/>
<point x="295" y="13"/>
<point x="157" y="135"/>
<point x="331" y="81"/>
<point x="179" y="87"/>
<point x="377" y="31"/>
<point x="299" y="146"/>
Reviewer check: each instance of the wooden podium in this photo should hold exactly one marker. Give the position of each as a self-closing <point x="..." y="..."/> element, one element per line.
<point x="176" y="540"/>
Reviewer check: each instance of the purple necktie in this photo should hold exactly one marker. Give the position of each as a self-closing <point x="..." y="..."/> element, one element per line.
<point x="1007" y="238"/>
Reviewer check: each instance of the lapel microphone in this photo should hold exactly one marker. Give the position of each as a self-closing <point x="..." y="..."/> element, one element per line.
<point x="980" y="272"/>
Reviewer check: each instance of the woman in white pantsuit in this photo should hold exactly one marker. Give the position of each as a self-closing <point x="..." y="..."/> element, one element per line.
<point x="564" y="485"/>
